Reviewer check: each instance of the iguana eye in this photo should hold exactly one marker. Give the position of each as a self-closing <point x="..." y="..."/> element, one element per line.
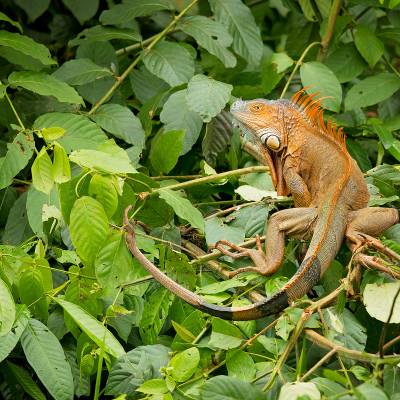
<point x="273" y="142"/>
<point x="256" y="107"/>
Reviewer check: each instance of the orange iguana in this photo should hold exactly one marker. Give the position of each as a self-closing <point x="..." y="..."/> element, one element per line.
<point x="309" y="160"/>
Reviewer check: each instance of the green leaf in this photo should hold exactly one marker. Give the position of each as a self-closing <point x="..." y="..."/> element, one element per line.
<point x="207" y="96"/>
<point x="19" y="152"/>
<point x="26" y="46"/>
<point x="368" y="391"/>
<point x="155" y="313"/>
<point x="42" y="172"/>
<point x="81" y="71"/>
<point x="82" y="10"/>
<point x="323" y="81"/>
<point x="46" y="356"/>
<point x="369" y="46"/>
<point x="10" y="340"/>
<point x="32" y="292"/>
<point x="183" y="208"/>
<point x="33" y="9"/>
<point x="176" y="115"/>
<point x="227" y="388"/>
<point x="93" y="328"/>
<point x="61" y="167"/>
<point x="184" y="364"/>
<point x="121" y="122"/>
<point x="135" y="367"/>
<point x="7" y="309"/>
<point x="27" y="383"/>
<point x="345" y="63"/>
<point x="165" y="150"/>
<point x="225" y="335"/>
<point x="101" y="34"/>
<point x="108" y="158"/>
<point x="170" y="62"/>
<point x="240" y="365"/>
<point x="372" y="90"/>
<point x="88" y="228"/>
<point x="46" y="85"/>
<point x="4" y="17"/>
<point x="379" y="300"/>
<point x="153" y="386"/>
<point x="292" y="391"/>
<point x="130" y="9"/>
<point x="52" y="133"/>
<point x="240" y="23"/>
<point x="103" y="189"/>
<point x="113" y="263"/>
<point x="80" y="132"/>
<point x="211" y="35"/>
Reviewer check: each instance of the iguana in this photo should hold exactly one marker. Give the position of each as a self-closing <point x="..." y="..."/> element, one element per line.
<point x="309" y="160"/>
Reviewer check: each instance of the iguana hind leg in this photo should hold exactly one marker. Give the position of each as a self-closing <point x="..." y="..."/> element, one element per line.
<point x="368" y="222"/>
<point x="296" y="222"/>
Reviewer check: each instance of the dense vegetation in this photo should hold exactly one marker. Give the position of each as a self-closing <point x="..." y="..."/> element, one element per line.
<point x="106" y="105"/>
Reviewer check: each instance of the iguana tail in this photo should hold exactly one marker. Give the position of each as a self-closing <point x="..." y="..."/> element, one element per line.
<point x="323" y="248"/>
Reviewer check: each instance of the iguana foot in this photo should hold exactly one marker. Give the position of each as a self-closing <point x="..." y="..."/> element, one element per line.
<point x="377" y="263"/>
<point x="256" y="255"/>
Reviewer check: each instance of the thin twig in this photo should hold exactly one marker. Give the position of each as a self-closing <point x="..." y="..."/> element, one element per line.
<point x="322" y="361"/>
<point x="14" y="111"/>
<point x="296" y="67"/>
<point x="214" y="177"/>
<point x="333" y="13"/>
<point x="151" y="44"/>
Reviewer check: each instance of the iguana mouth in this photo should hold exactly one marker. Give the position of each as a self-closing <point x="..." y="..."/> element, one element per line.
<point x="270" y="160"/>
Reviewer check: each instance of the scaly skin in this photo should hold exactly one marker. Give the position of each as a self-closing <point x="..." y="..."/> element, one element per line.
<point x="309" y="160"/>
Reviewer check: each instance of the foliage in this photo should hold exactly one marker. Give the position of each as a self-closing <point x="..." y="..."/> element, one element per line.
<point x="109" y="104"/>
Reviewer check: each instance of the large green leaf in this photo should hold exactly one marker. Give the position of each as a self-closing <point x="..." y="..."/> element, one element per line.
<point x="184" y="364"/>
<point x="26" y="46"/>
<point x="18" y="154"/>
<point x="107" y="158"/>
<point x="46" y="85"/>
<point x="82" y="10"/>
<point x="88" y="228"/>
<point x="113" y="263"/>
<point x="207" y="96"/>
<point x="372" y="90"/>
<point x="369" y="46"/>
<point x="101" y="34"/>
<point x="379" y="299"/>
<point x="121" y="122"/>
<point x="322" y="80"/>
<point x="240" y="23"/>
<point x="10" y="340"/>
<point x="81" y="71"/>
<point x="227" y="388"/>
<point x="24" y="378"/>
<point x="292" y="391"/>
<point x="225" y="335"/>
<point x="345" y="62"/>
<point x="46" y="356"/>
<point x="130" y="9"/>
<point x="240" y="365"/>
<point x="104" y="190"/>
<point x="80" y="132"/>
<point x="211" y="35"/>
<point x="155" y="314"/>
<point x="165" y="150"/>
<point x="93" y="328"/>
<point x="7" y="309"/>
<point x="176" y="115"/>
<point x="135" y="367"/>
<point x="170" y="62"/>
<point x="183" y="208"/>
<point x="42" y="172"/>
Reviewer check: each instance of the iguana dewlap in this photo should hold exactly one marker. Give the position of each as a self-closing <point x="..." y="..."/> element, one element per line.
<point x="330" y="196"/>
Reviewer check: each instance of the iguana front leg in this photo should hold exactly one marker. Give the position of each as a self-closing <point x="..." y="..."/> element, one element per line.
<point x="297" y="222"/>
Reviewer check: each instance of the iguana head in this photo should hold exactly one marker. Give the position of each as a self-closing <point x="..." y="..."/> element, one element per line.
<point x="262" y="119"/>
